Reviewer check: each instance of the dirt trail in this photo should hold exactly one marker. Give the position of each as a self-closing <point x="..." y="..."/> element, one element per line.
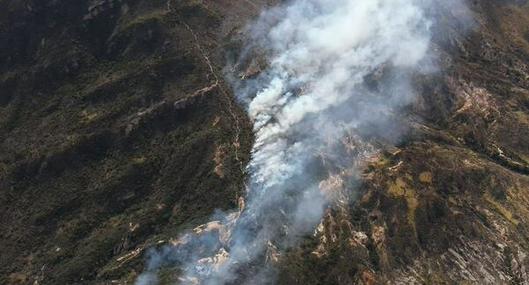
<point x="217" y="83"/>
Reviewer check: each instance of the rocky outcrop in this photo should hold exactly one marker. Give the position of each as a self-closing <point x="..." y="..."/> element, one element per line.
<point x="449" y="206"/>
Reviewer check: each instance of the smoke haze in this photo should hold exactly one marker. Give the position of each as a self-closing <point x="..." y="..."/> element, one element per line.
<point x="337" y="76"/>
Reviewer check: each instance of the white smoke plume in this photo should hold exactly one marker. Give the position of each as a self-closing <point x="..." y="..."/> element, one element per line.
<point x="337" y="75"/>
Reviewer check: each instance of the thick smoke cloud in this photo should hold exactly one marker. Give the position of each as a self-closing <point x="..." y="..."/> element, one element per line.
<point x="337" y="76"/>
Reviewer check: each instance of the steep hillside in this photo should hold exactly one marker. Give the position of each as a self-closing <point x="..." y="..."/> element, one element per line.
<point x="118" y="131"/>
<point x="449" y="205"/>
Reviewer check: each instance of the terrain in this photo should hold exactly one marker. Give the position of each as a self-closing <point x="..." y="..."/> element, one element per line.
<point x="118" y="131"/>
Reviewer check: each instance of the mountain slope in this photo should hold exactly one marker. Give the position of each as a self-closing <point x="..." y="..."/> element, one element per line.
<point x="118" y="131"/>
<point x="449" y="205"/>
